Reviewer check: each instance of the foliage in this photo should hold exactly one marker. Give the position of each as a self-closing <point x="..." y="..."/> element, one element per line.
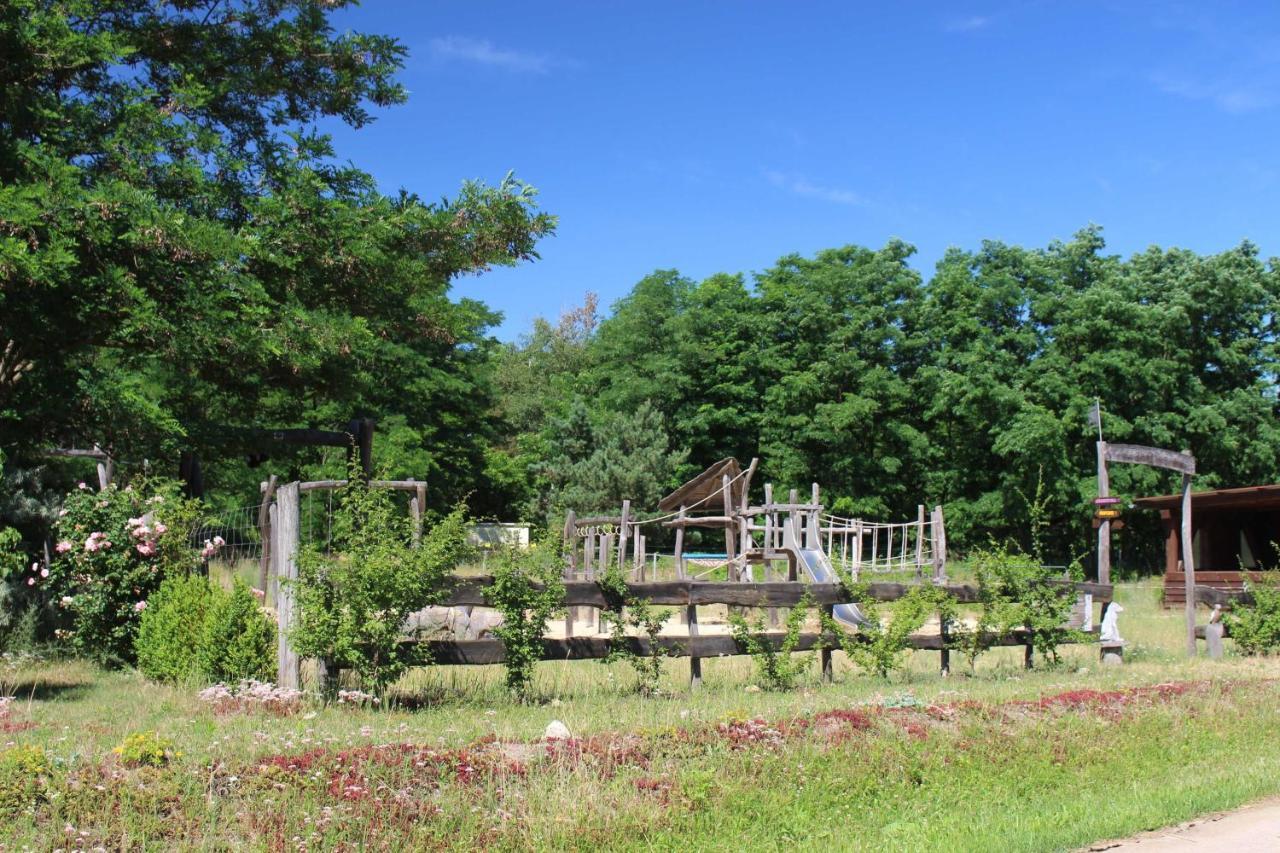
<point x="169" y="208"/>
<point x="24" y="778"/>
<point x="238" y="640"/>
<point x="631" y="611"/>
<point x="13" y="560"/>
<point x="146" y="749"/>
<point x="1016" y="591"/>
<point x="352" y="607"/>
<point x="527" y="589"/>
<point x="879" y="648"/>
<point x="171" y="631"/>
<point x="778" y="667"/>
<point x="1256" y="626"/>
<point x="114" y="549"/>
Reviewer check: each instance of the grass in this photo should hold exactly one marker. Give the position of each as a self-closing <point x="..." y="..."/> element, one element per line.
<point x="1001" y="760"/>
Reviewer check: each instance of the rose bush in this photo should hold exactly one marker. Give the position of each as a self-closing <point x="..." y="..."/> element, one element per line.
<point x="114" y="549"/>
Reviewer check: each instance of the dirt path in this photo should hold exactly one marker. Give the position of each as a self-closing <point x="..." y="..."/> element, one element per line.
<point x="1252" y="828"/>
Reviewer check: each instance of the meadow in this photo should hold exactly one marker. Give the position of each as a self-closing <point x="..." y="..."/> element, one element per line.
<point x="1000" y="759"/>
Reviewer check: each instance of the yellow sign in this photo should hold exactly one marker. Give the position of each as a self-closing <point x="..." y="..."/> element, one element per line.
<point x="1107" y="513"/>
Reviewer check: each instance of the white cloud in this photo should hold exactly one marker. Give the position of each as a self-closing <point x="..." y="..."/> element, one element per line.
<point x="484" y="52"/>
<point x="798" y="185"/>
<point x="967" y="25"/>
<point x="1225" y="96"/>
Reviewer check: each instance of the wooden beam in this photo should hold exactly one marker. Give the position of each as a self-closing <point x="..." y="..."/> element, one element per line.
<point x="1156" y="457"/>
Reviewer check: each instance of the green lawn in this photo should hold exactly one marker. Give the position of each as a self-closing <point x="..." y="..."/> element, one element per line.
<point x="983" y="762"/>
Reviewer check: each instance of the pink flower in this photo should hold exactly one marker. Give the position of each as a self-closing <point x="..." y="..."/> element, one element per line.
<point x="140" y="532"/>
<point x="146" y="549"/>
<point x="219" y="541"/>
<point x="160" y="529"/>
<point x="64" y="546"/>
<point x="67" y="601"/>
<point x="139" y="607"/>
<point x="31" y="581"/>
<point x="81" y="486"/>
<point x="44" y="573"/>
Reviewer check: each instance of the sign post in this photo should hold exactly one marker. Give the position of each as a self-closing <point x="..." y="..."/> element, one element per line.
<point x="1155" y="457"/>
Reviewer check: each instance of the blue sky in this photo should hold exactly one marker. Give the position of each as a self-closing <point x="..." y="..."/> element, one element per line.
<point x="720" y="136"/>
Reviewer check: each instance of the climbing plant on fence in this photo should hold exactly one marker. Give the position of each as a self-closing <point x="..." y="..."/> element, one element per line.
<point x="352" y="605"/>
<point x="1016" y="591"/>
<point x="630" y="611"/>
<point x="527" y="590"/>
<point x="881" y="648"/>
<point x="778" y="668"/>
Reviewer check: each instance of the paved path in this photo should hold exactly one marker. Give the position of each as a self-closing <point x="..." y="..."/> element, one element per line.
<point x="1246" y="830"/>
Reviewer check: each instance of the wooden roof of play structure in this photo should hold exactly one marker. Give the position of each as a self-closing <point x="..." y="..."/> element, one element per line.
<point x="707" y="489"/>
<point x="1249" y="497"/>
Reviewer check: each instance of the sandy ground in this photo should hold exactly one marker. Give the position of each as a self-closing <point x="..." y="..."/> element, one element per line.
<point x="1252" y="828"/>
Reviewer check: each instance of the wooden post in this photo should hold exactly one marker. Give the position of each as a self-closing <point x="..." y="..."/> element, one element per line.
<point x="944" y="631"/>
<point x="571" y="565"/>
<point x="1213" y="633"/>
<point x="730" y="546"/>
<point x="1104" y="525"/>
<point x="1188" y="564"/>
<point x="622" y="537"/>
<point x="920" y="542"/>
<point x="680" y="569"/>
<point x="366" y="446"/>
<point x="940" y="543"/>
<point x="418" y="506"/>
<point x="1028" y="654"/>
<point x="284" y="526"/>
<point x="857" y="548"/>
<point x="825" y="654"/>
<point x="695" y="662"/>
<point x="264" y="533"/>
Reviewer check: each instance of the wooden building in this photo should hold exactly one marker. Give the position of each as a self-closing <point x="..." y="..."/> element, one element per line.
<point x="1233" y="531"/>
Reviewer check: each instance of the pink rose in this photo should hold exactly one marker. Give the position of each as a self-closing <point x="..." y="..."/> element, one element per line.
<point x="146" y="549"/>
<point x="64" y="546"/>
<point x="81" y="486"/>
<point x="140" y="606"/>
<point x="44" y="573"/>
<point x="31" y="581"/>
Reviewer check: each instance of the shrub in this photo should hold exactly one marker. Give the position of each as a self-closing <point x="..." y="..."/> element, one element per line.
<point x="527" y="589"/>
<point x="634" y="612"/>
<point x="352" y="607"/>
<point x="114" y="549"/>
<point x="146" y="749"/>
<point x="779" y="668"/>
<point x="879" y="648"/>
<point x="1017" y="592"/>
<point x="13" y="564"/>
<point x="172" y="628"/>
<point x="24" y="779"/>
<point x="238" y="640"/>
<point x="1256" y="627"/>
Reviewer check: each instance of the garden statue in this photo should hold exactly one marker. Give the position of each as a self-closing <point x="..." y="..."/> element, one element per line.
<point x="1110" y="632"/>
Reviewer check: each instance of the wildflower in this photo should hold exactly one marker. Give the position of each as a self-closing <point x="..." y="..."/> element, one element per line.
<point x="63" y="547"/>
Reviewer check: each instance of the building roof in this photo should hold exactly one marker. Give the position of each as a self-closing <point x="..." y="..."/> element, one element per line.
<point x="710" y="485"/>
<point x="1248" y="497"/>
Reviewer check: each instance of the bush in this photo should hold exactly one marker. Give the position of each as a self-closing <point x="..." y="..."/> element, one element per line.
<point x="1256" y="627"/>
<point x="1016" y="592"/>
<point x="146" y="749"/>
<point x="634" y="612"/>
<point x="352" y="607"/>
<point x="114" y="550"/>
<point x="528" y="589"/>
<point x="779" y="668"/>
<point x="879" y="648"/>
<point x="172" y="628"/>
<point x="13" y="562"/>
<point x="239" y="640"/>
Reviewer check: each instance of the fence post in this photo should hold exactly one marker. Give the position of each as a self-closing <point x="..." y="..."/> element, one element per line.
<point x="284" y="528"/>
<point x="944" y="632"/>
<point x="695" y="662"/>
<point x="264" y="533"/>
<point x="828" y="611"/>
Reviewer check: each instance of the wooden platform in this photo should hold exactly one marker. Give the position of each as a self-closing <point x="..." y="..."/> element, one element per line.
<point x="1175" y="592"/>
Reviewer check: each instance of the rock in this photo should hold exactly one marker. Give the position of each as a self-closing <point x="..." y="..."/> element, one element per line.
<point x="556" y="730"/>
<point x="482" y="622"/>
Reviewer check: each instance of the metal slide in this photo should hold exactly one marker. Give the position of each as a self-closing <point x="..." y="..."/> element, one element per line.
<point x="819" y="569"/>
